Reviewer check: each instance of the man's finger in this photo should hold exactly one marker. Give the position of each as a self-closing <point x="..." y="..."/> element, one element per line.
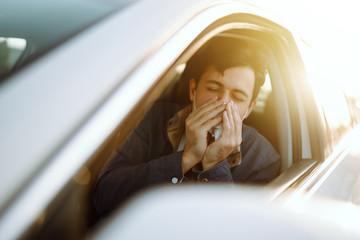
<point x="230" y="110"/>
<point x="211" y="110"/>
<point x="238" y="124"/>
<point x="212" y="122"/>
<point x="226" y="126"/>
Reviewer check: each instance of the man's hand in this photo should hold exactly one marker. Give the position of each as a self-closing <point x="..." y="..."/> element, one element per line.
<point x="229" y="140"/>
<point x="197" y="126"/>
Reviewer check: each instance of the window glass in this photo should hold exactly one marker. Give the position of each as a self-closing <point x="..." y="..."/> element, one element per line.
<point x="326" y="79"/>
<point x="29" y="28"/>
<point x="337" y="114"/>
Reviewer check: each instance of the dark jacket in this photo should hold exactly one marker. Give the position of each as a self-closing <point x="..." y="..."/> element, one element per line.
<point x="147" y="158"/>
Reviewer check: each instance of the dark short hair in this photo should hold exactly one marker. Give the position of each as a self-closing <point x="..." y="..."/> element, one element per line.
<point x="224" y="53"/>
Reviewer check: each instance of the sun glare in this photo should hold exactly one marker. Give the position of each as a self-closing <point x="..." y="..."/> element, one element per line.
<point x="330" y="28"/>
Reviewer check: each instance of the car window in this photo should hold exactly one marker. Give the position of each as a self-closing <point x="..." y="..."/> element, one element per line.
<point x="325" y="77"/>
<point x="354" y="105"/>
<point x="337" y="177"/>
<point x="159" y="135"/>
<point x="337" y="115"/>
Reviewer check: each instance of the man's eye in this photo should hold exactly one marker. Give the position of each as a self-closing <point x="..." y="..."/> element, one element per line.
<point x="239" y="99"/>
<point x="212" y="89"/>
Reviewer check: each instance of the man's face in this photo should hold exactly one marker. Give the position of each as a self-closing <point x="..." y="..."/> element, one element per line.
<point x="236" y="85"/>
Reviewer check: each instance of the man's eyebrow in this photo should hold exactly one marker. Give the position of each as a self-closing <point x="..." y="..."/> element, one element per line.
<point x="214" y="81"/>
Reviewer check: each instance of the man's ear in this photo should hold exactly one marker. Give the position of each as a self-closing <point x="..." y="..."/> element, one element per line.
<point x="251" y="107"/>
<point x="192" y="88"/>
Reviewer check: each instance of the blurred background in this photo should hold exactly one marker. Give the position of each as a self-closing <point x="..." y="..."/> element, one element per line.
<point x="330" y="27"/>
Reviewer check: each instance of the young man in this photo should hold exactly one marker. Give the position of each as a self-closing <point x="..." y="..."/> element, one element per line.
<point x="205" y="141"/>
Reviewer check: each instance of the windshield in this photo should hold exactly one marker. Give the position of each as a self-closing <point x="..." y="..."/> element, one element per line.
<point x="30" y="28"/>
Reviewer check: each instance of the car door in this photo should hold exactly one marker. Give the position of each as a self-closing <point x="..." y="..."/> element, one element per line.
<point x="336" y="174"/>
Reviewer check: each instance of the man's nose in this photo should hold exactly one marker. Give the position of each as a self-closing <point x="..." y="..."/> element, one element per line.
<point x="225" y="95"/>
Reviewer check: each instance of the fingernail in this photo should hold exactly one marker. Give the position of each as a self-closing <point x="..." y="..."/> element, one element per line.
<point x="221" y="101"/>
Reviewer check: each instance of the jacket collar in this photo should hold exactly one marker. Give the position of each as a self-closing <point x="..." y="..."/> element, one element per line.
<point x="176" y="126"/>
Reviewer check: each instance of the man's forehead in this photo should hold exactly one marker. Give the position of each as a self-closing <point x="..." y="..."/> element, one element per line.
<point x="238" y="71"/>
<point x="238" y="78"/>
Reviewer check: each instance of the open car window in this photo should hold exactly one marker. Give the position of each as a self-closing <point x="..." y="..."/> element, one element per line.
<point x="149" y="81"/>
<point x="275" y="115"/>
